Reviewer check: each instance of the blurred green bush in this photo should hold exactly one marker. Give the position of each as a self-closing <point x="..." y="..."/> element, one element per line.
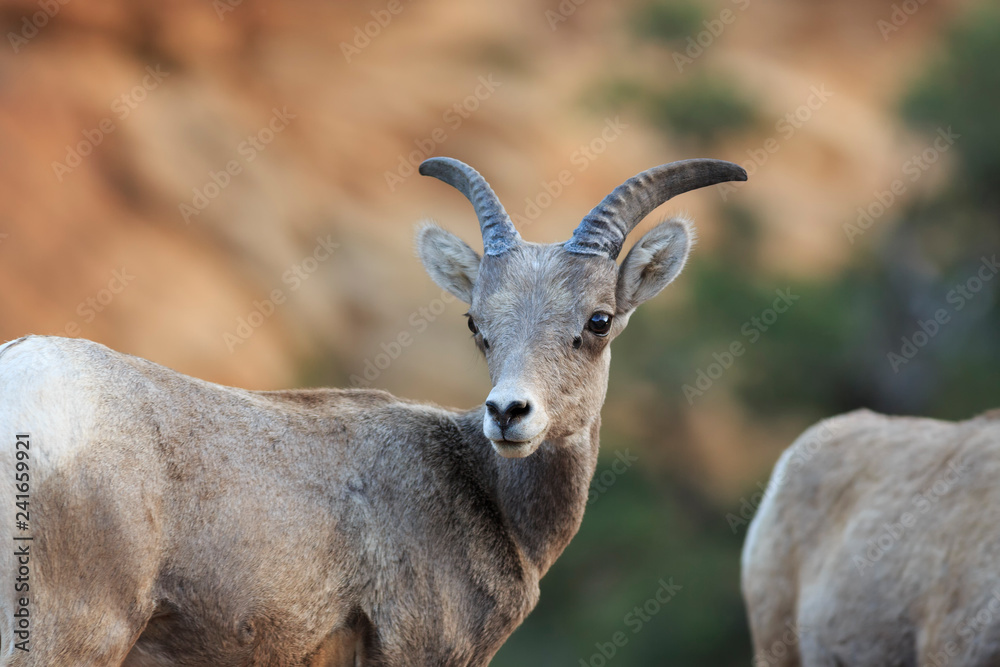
<point x="703" y="109"/>
<point x="667" y="20"/>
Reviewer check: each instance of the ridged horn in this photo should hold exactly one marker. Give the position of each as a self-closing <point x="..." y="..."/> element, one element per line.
<point x="499" y="234"/>
<point x="604" y="229"/>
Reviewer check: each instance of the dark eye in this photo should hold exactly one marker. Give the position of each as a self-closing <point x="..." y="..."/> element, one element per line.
<point x="472" y="326"/>
<point x="599" y="324"/>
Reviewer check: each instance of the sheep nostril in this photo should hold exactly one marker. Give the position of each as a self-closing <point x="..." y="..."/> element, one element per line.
<point x="517" y="409"/>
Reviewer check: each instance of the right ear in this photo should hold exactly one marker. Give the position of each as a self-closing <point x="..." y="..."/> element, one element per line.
<point x="451" y="263"/>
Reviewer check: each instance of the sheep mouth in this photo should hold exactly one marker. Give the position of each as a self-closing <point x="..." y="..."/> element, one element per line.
<point x="514" y="449"/>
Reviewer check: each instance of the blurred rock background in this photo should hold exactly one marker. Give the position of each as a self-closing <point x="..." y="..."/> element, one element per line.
<point x="227" y="187"/>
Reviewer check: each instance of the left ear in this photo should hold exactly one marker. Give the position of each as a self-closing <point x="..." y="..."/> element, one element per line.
<point x="653" y="262"/>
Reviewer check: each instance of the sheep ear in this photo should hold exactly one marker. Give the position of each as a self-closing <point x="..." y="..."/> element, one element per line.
<point x="451" y="263"/>
<point x="653" y="263"/>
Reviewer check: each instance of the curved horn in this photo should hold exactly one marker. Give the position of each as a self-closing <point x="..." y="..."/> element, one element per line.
<point x="604" y="229"/>
<point x="499" y="234"/>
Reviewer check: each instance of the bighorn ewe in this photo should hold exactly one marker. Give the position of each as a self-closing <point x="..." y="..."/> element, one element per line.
<point x="878" y="543"/>
<point x="178" y="522"/>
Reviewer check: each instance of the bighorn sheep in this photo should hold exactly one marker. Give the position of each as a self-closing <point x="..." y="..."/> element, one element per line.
<point x="178" y="522"/>
<point x="877" y="543"/>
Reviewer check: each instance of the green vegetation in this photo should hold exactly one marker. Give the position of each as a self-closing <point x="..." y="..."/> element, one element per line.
<point x="667" y="20"/>
<point x="703" y="109"/>
<point x="962" y="90"/>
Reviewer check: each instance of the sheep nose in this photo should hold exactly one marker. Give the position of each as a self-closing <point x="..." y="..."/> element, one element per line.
<point x="511" y="412"/>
